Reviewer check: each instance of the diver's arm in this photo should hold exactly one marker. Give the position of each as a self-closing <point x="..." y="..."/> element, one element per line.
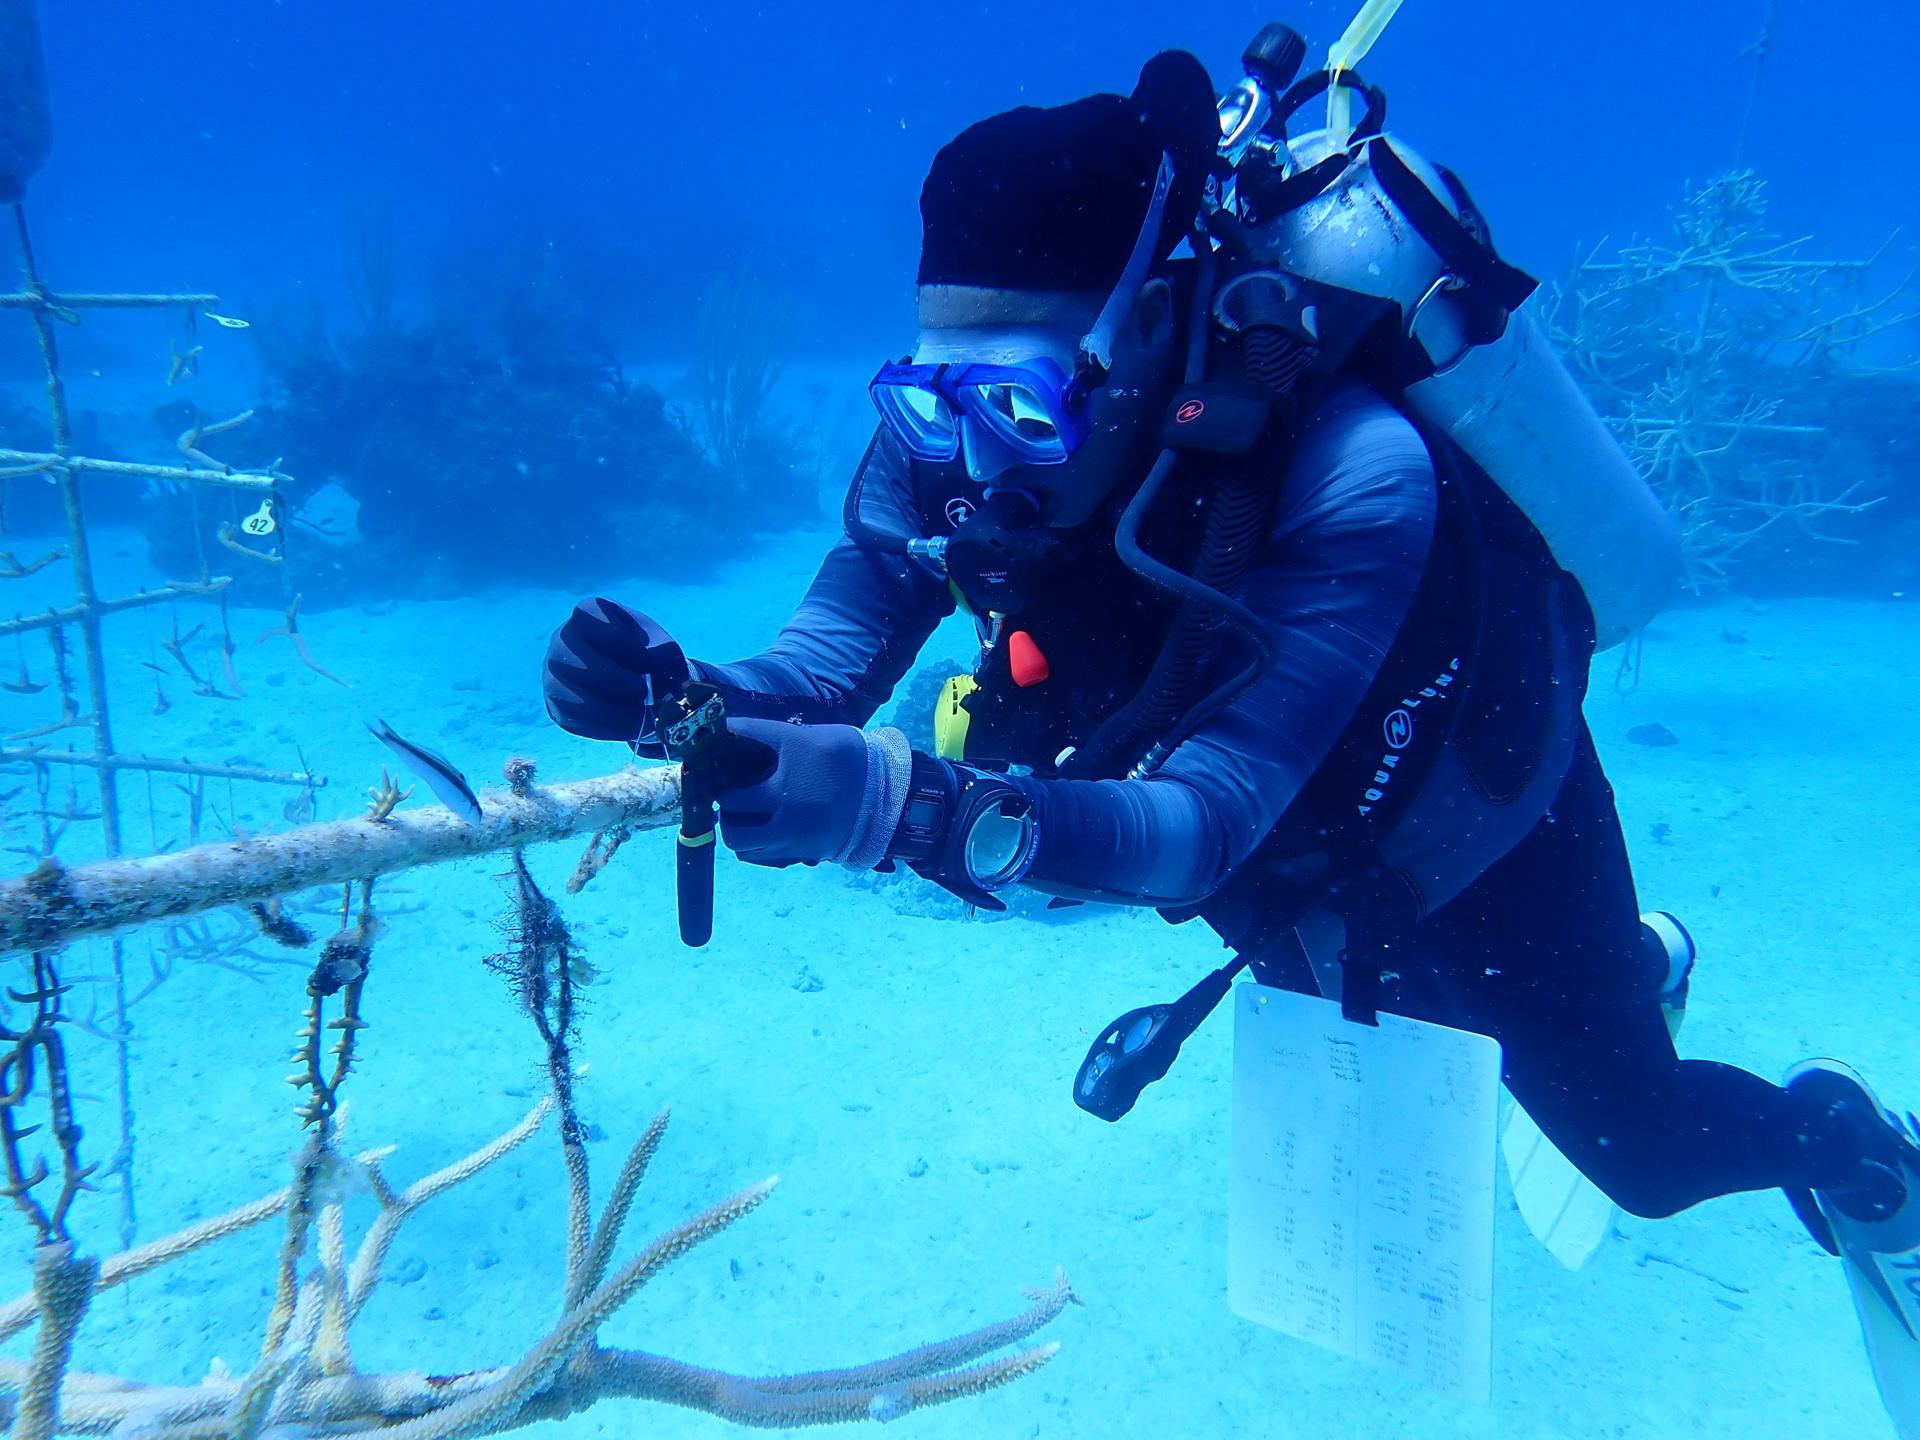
<point x="857" y="629"/>
<point x="1344" y="556"/>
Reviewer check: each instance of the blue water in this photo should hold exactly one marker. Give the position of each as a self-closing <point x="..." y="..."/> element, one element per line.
<point x="649" y="146"/>
<point x="562" y="194"/>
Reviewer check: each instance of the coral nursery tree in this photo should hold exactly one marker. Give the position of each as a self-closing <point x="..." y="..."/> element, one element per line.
<point x="1762" y="390"/>
<point x="304" y="1379"/>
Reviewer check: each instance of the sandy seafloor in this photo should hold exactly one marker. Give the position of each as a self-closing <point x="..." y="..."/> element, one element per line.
<point x="906" y="1070"/>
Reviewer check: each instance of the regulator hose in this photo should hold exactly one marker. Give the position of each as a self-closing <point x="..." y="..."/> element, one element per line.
<point x="1154" y="718"/>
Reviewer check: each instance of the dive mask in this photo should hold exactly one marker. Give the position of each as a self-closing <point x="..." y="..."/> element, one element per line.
<point x="1035" y="409"/>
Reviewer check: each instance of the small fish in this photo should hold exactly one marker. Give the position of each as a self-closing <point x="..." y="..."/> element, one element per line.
<point x="446" y="782"/>
<point x="1656" y="735"/>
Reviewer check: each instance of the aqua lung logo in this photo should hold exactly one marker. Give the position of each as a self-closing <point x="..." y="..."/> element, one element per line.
<point x="1398" y="731"/>
<point x="959" y="510"/>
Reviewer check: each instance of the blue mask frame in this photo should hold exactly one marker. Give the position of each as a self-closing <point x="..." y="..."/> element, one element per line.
<point x="1036" y="410"/>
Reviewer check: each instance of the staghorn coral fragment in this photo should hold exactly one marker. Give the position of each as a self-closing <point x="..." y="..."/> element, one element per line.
<point x="229" y="537"/>
<point x="299" y="1213"/>
<point x="491" y="1408"/>
<point x="26" y="684"/>
<point x="332" y="1351"/>
<point x="18" y="1314"/>
<point x="182" y="363"/>
<point x="881" y="1390"/>
<point x="63" y="1286"/>
<point x="70" y="717"/>
<point x="306" y="1384"/>
<point x="246" y="1414"/>
<point x="10" y="567"/>
<point x="600" y="849"/>
<point x="382" y="799"/>
<point x="278" y="926"/>
<point x="397" y="1206"/>
<point x="291" y="629"/>
<point x="599" y="1250"/>
<point x="227" y="665"/>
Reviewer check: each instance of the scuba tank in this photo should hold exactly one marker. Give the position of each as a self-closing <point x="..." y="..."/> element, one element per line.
<point x="1358" y="216"/>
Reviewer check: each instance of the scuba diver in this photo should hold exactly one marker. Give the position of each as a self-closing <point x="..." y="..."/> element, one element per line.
<point x="1288" y="555"/>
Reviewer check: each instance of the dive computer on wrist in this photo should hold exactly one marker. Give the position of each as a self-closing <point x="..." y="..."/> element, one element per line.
<point x="970" y="831"/>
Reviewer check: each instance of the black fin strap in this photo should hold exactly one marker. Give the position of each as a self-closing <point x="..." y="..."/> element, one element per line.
<point x="1460" y="250"/>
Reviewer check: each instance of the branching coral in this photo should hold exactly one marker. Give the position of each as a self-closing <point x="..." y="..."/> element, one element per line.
<point x="306" y="1382"/>
<point x="38" y="1054"/>
<point x="1728" y="361"/>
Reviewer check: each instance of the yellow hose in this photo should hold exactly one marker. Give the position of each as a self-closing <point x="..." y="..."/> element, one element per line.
<point x="1346" y="53"/>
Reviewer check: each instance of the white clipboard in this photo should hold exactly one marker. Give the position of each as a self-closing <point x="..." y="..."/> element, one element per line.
<point x="1360" y="1215"/>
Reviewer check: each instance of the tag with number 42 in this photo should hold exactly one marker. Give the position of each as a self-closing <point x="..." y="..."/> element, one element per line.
<point x="261" y="521"/>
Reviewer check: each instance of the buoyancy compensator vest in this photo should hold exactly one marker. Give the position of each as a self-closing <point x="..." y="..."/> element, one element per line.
<point x="1060" y="651"/>
<point x="1097" y="669"/>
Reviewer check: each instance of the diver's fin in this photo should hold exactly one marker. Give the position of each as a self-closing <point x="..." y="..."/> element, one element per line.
<point x="1882" y="1258"/>
<point x="1566" y="1212"/>
<point x="1881" y="1285"/>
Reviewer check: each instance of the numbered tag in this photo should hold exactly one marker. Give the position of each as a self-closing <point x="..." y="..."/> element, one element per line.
<point x="229" y="321"/>
<point x="261" y="521"/>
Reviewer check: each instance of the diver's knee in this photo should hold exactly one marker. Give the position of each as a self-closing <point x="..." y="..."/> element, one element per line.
<point x="1631" y="1163"/>
<point x="1650" y="1198"/>
<point x="1641" y="1180"/>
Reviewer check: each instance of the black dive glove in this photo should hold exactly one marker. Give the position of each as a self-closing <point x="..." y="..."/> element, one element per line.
<point x="606" y="668"/>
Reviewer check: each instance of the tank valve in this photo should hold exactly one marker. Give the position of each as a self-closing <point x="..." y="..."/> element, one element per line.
<point x="1270" y="63"/>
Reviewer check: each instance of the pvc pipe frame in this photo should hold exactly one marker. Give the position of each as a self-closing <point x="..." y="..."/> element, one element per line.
<point x="249" y="480"/>
<point x="56" y="904"/>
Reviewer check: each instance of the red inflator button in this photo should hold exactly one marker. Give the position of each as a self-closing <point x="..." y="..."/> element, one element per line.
<point x="1024" y="659"/>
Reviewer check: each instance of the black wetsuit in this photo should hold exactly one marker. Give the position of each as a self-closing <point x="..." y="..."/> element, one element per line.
<point x="1544" y="952"/>
<point x="1519" y="918"/>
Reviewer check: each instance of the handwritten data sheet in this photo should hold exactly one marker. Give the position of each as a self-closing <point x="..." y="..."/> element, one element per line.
<point x="1361" y="1210"/>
